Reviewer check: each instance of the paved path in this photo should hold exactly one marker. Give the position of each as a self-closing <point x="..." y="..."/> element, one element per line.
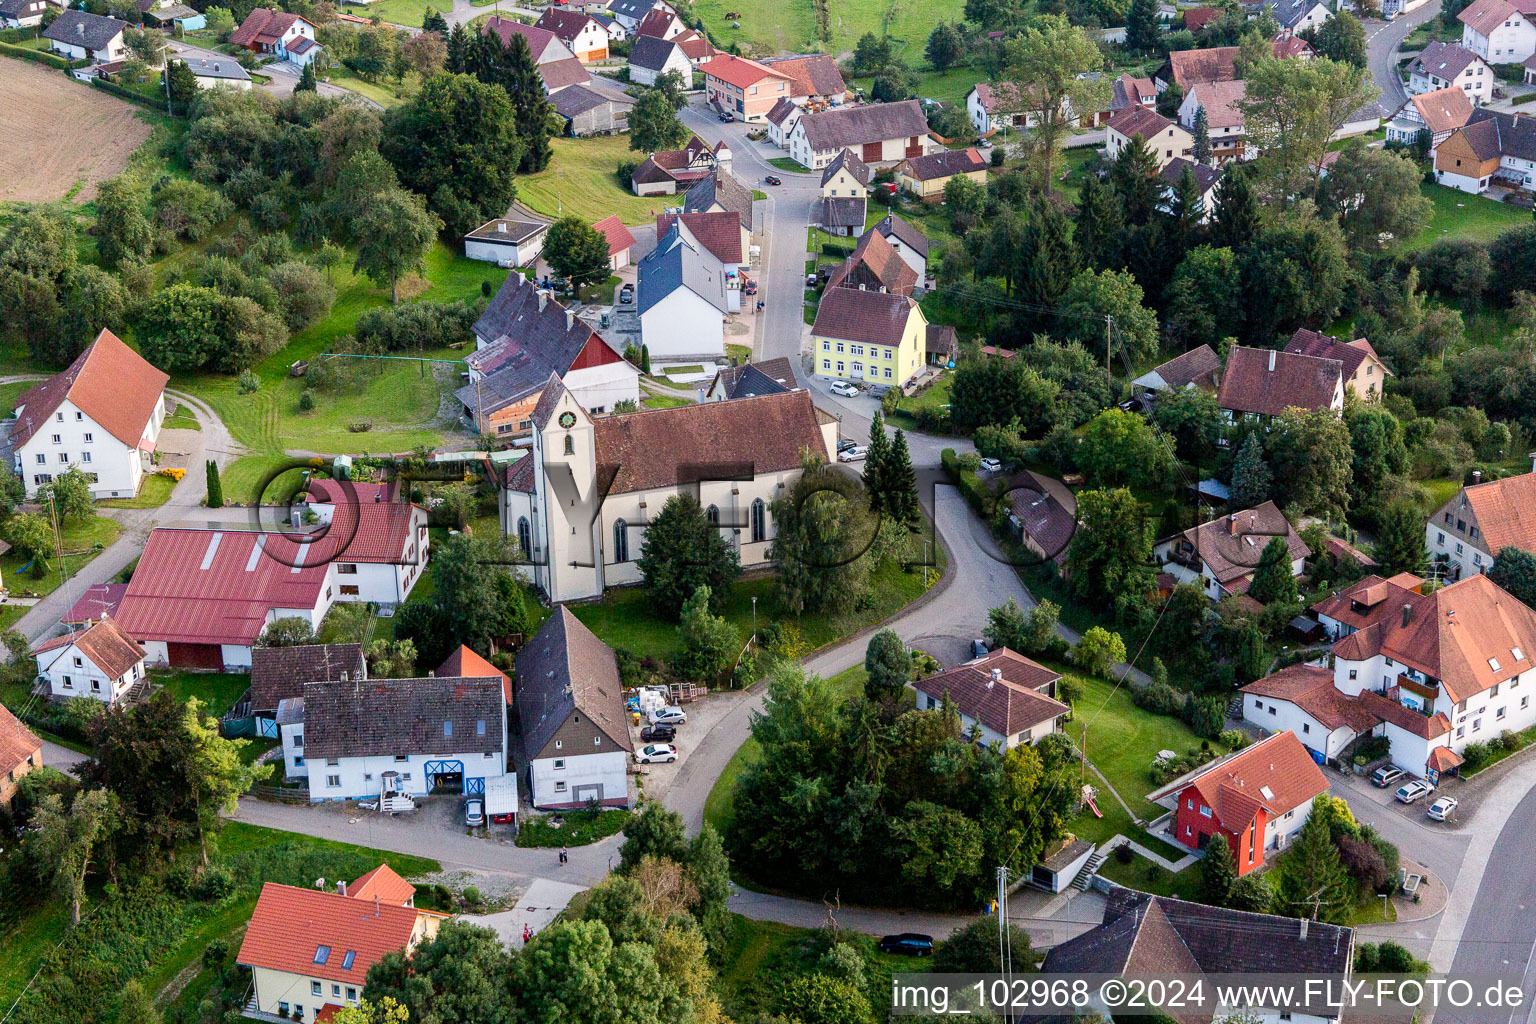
<point x="1382" y="41"/>
<point x="282" y="80"/>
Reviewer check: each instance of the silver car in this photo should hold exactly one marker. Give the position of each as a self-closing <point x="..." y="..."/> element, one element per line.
<point x="474" y="812"/>
<point x="1414" y="791"/>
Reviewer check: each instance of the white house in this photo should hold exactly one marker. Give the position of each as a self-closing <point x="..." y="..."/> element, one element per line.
<point x="995" y="107"/>
<point x="286" y="36"/>
<point x="23" y="13"/>
<point x="1439" y="113"/>
<point x="506" y="242"/>
<point x="781" y="121"/>
<point x="571" y="705"/>
<point x="102" y="416"/>
<point x="580" y="509"/>
<point x="1220" y="556"/>
<point x="1499" y="31"/>
<point x="877" y="133"/>
<point x="1446" y="65"/>
<point x="1303" y="700"/>
<point x="1165" y="139"/>
<point x="650" y="57"/>
<point x="91" y="37"/>
<point x="1467" y="532"/>
<point x="1002" y="698"/>
<point x="683" y="298"/>
<point x="100" y="661"/>
<point x="1297" y="16"/>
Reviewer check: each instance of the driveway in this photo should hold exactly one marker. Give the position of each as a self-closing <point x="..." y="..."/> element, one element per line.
<point x="284" y="76"/>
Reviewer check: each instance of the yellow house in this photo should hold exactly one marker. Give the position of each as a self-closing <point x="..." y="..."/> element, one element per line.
<point x="868" y="336"/>
<point x="926" y="176"/>
<point x="1365" y="375"/>
<point x="846" y="177"/>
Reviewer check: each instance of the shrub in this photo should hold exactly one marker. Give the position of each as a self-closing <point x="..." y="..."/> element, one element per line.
<point x="1476" y="755"/>
<point x="1124" y="854"/>
<point x="306" y="400"/>
<point x="249" y="383"/>
<point x="472" y="896"/>
<point x="216" y="884"/>
<point x="1508" y="742"/>
<point x="1159" y="698"/>
<point x="1234" y="739"/>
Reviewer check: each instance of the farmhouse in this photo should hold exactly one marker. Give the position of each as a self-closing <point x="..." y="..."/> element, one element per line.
<point x="570" y="702"/>
<point x="869" y="336"/>
<point x="100" y="661"/>
<point x="1005" y="697"/>
<point x="844" y="217"/>
<point x="101" y="415"/>
<point x="1260" y="384"/>
<point x="874" y="264"/>
<point x="1220" y="556"/>
<point x="1468" y="532"/>
<point x="581" y="34"/>
<point x="20" y="752"/>
<point x="883" y="132"/>
<point x="1364" y="373"/>
<point x="581" y="509"/>
<point x="78" y="35"/>
<point x="285" y="36"/>
<point x="1196" y="368"/>
<point x="278" y="675"/>
<point x="1448" y="66"/>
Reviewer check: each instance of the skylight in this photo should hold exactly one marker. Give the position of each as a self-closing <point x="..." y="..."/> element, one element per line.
<point x="346" y="961"/>
<point x="1493" y="663"/>
<point x="1269" y="794"/>
<point x="447" y="728"/>
<point x="322" y="954"/>
<point x="1516" y="652"/>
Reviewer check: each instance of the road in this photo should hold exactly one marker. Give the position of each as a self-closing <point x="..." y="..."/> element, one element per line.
<point x="1382" y="39"/>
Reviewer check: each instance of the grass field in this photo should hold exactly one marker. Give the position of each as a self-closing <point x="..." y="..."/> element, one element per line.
<point x="242" y="477"/>
<point x="581" y="180"/>
<point x="153" y="493"/>
<point x="10" y="392"/>
<point x="1459" y="215"/>
<point x="181" y="419"/>
<point x="791" y="26"/>
<point x="78" y="540"/>
<point x="784" y="163"/>
<point x="945" y="86"/>
<point x="217" y="691"/>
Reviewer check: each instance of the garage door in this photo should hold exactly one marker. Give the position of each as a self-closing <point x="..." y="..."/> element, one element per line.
<point x="208" y="656"/>
<point x="872" y="151"/>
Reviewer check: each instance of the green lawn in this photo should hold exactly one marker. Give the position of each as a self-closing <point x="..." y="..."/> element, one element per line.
<point x="945" y="86"/>
<point x="10" y="392"/>
<point x="216" y="690"/>
<point x="243" y="476"/>
<point x="384" y="92"/>
<point x="664" y="402"/>
<point x="784" y="163"/>
<point x="181" y="419"/>
<point x="791" y="26"/>
<point x="933" y="398"/>
<point x="153" y="493"/>
<point x="1459" y="215"/>
<point x="1146" y="876"/>
<point x="78" y="539"/>
<point x="582" y="180"/>
<point x="580" y="828"/>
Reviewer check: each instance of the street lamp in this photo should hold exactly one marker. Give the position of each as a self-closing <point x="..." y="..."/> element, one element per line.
<point x="754" y="619"/>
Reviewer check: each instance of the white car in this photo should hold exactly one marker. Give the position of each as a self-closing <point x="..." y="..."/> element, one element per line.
<point x="991" y="465"/>
<point x="670" y="715"/>
<point x="857" y="453"/>
<point x="665" y="753"/>
<point x="1442" y="809"/>
<point x="842" y="387"/>
<point x="1414" y="791"/>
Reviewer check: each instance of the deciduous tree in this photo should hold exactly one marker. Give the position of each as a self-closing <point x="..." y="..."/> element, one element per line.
<point x="576" y="252"/>
<point x="683" y="550"/>
<point x="1110" y="557"/>
<point x="707" y="644"/>
<point x="887" y="666"/>
<point x="654" y="125"/>
<point x="1313" y="462"/>
<point x="1375" y="194"/>
<point x="945" y="46"/>
<point x="394" y="237"/>
<point x="1047" y="62"/>
<point x="67" y="842"/>
<point x="458" y="975"/>
<point x="1291" y="110"/>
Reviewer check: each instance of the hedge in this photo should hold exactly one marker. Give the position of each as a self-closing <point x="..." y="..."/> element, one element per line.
<point x="53" y="60"/>
<point x="18" y="35"/>
<point x="977" y="494"/>
<point x="127" y="94"/>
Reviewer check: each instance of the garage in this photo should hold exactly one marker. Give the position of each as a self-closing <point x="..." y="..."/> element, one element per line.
<point x="204" y="656"/>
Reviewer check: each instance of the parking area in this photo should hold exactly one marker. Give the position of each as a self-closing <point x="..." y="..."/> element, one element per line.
<point x="1468" y="795"/>
<point x="703" y="714"/>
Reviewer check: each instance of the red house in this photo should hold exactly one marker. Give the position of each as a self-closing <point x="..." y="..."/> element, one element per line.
<point x="1258" y="798"/>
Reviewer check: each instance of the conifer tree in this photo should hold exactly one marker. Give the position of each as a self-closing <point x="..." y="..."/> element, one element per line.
<point x="901" y="484"/>
<point x="215" y="486"/>
<point x="1099" y="225"/>
<point x="307" y="82"/>
<point x="875" y="466"/>
<point x="1202" y="137"/>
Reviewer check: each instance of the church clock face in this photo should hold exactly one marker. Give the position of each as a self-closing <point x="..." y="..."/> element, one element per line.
<point x="567" y="420"/>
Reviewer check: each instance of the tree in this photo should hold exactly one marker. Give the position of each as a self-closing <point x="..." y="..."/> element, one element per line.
<point x="457" y="975"/>
<point x="1193" y="419"/>
<point x="672" y="86"/>
<point x="1342" y="38"/>
<point x="871" y="54"/>
<point x="1093" y="297"/>
<point x="707" y="644"/>
<point x="532" y="111"/>
<point x="181" y="83"/>
<point x="1111" y="552"/>
<point x="1143" y="32"/>
<point x="290" y="631"/>
<point x="1169" y="100"/>
<point x="1202" y="300"/>
<point x="710" y="871"/>
<point x="1218" y="872"/>
<point x="432" y="20"/>
<point x="1400" y="540"/>
<point x="137" y="1006"/>
<point x="654" y="832"/>
<point x="1291" y="110"/>
<point x="1251" y="479"/>
<point x="900" y="484"/>
<point x="1099" y="225"/>
<point x="472" y="594"/>
<point x="1294" y="272"/>
<point x="215" y="486"/>
<point x="1236" y="219"/>
<point x="456" y="144"/>
<point x="974" y="950"/>
<point x="1251" y="893"/>
<point x="1050" y="258"/>
<point x="69" y="496"/>
<point x="394" y="238"/>
<point x="385" y="1011"/>
<point x="1313" y="881"/>
<point x="1136" y="183"/>
<point x="31" y="534"/>
<point x="1118" y="447"/>
<point x="307" y="80"/>
<point x="66" y="842"/>
<point x="427" y="52"/>
<point x="1272" y="580"/>
<point x="683" y="550"/>
<point x="887" y="666"/>
<point x="1514" y="570"/>
<point x="1098" y="650"/>
<point x="824" y="530"/>
<point x="187" y="327"/>
<point x="1375" y="194"/>
<point x="217" y="775"/>
<point x="1202" y="137"/>
<point x="1376" y="440"/>
<point x="576" y="252"/>
<point x="876" y="461"/>
<point x="1047" y="63"/>
<point x="123" y="234"/>
<point x="946" y="46"/>
<point x="1312" y="460"/>
<point x="654" y="125"/>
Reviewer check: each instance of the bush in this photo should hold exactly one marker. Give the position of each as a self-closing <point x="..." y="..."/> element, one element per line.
<point x="1475" y="755"/>
<point x="471" y="896"/>
<point x="1508" y="742"/>
<point x="249" y="383"/>
<point x="1234" y="739"/>
<point x="1124" y="854"/>
<point x="216" y="884"/>
<point x="415" y="326"/>
<point x="1159" y="698"/>
<point x="306" y="400"/>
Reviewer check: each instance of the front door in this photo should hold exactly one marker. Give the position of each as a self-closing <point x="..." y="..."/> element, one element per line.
<point x="1205" y="840"/>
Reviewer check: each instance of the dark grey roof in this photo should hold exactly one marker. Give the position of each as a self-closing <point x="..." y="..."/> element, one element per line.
<point x="225" y="68"/>
<point x="1290" y="12"/>
<point x="504" y="229"/>
<point x="856" y="167"/>
<point x="381" y="717"/>
<point x="554" y="390"/>
<point x="635" y="9"/>
<point x="674" y="264"/>
<point x="1514" y="135"/>
<point x="279" y="673"/>
<point x="843" y="212"/>
<point x="563" y="670"/>
<point x="724" y="189"/>
<point x="842" y="127"/>
<point x="769" y="377"/>
<point x="892" y="224"/>
<point x="1205" y="177"/>
<point x="578" y="99"/>
<point x="651" y="52"/>
<point x="92" y="31"/>
<point x="1444" y="60"/>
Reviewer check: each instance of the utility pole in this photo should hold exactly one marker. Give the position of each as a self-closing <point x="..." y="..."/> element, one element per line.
<point x="1109" y="325"/>
<point x="58" y="542"/>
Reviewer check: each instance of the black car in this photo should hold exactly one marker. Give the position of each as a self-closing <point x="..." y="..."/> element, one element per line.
<point x="846" y="444"/>
<point x="726" y="115"/>
<point x="774" y="179"/>
<point x="908" y="944"/>
<point x="658" y="734"/>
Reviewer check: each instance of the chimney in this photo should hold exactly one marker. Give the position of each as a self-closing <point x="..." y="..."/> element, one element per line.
<point x="501" y="227"/>
<point x="343" y="679"/>
<point x="570" y="319"/>
<point x="1304" y="923"/>
<point x="543" y="299"/>
<point x="1407" y="614"/>
<point x="341" y="887"/>
<point x="1271" y="360"/>
<point x="997" y="677"/>
<point x="377" y="912"/>
<point x="1232" y="525"/>
<point x="1532" y="457"/>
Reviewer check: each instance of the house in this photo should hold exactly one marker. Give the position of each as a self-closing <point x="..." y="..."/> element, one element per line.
<point x="1223" y="106"/>
<point x="570" y="702"/>
<point x="562" y="74"/>
<point x="78" y="35"/>
<point x="524" y="336"/>
<point x="1470" y="530"/>
<point x="547" y="47"/>
<point x="1220" y="556"/>
<point x="943" y="345"/>
<point x="1300" y="15"/>
<point x="650" y="57"/>
<point x="910" y="243"/>
<point x="814" y="78"/>
<point x="100" y="661"/>
<point x="744" y="87"/>
<point x="926" y="176"/>
<point x="616" y="33"/>
<point x="660" y="23"/>
<point x="1197" y="18"/>
<point x="170" y="13"/>
<point x="1499" y="31"/>
<point x="882" y="132"/>
<point x="1361" y="121"/>
<point x="769" y="377"/>
<point x="1260" y="383"/>
<point x="846" y="176"/>
<point x="310" y="949"/>
<point x="1189" y="68"/>
<point x="1302" y="700"/>
<point x="721" y="192"/>
<point x="669" y="171"/>
<point x="1446" y="65"/>
<point x="101" y="415"/>
<point x="422" y="733"/>
<point x="876" y="265"/>
<point x="619" y="239"/>
<point x="507" y="242"/>
<point x="843" y="216"/>
<point x="278" y="675"/>
<point x="719" y="233"/>
<point x="1289" y="44"/>
<point x="1360" y="603"/>
<point x="211" y="74"/>
<point x="697" y="47"/>
<point x="995" y="108"/>
<point x="1165" y="139"/>
<point x="1002" y="698"/>
<point x="1196" y="368"/>
<point x="869" y="336"/>
<point x="285" y="36"/>
<point x="581" y="509"/>
<point x="1365" y="375"/>
<point x="1129" y="91"/>
<point x="781" y="121"/>
<point x="1492" y="145"/>
<point x="590" y="109"/>
<point x="1206" y="180"/>
<point x="683" y="297"/>
<point x="23" y="14"/>
<point x="1147" y="936"/>
<point x="1043" y="514"/>
<point x="581" y="33"/>
<point x="1259" y="798"/>
<point x="20" y="752"/>
<point x="630" y="13"/>
<point x="200" y="597"/>
<point x="1437" y="113"/>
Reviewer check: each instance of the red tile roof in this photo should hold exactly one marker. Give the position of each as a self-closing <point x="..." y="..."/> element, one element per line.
<point x="1287" y="44"/>
<point x="1275" y="773"/>
<point x="263" y="26"/>
<point x="109" y="382"/>
<point x="812" y="75"/>
<point x="944" y="164"/>
<point x="1143" y="121"/>
<point x="1443" y="759"/>
<point x="658" y="21"/>
<point x="1007" y="703"/>
<point x="17" y="743"/>
<point x="1483" y="16"/>
<point x="1232" y="546"/>
<point x="874" y="263"/>
<point x="1506" y="511"/>
<point x="695" y="44"/>
<point x="1311" y="688"/>
<point x="1369" y="600"/>
<point x="1196" y="18"/>
<point x="618" y="236"/>
<point x="740" y="71"/>
<point x="1351" y="354"/>
<point x="872" y="318"/>
<point x="719" y="232"/>
<point x="1443" y="110"/>
<point x="382" y="880"/>
<point x="538" y="38"/>
<point x="1191" y="67"/>
<point x="467" y="664"/>
<point x="109" y="648"/>
<point x="1267" y="381"/>
<point x="290" y="925"/>
<point x="1405" y="718"/>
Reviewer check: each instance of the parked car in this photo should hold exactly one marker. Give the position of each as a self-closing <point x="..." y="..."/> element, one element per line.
<point x="855" y="454"/>
<point x="669" y="715"/>
<point x="627" y="294"/>
<point x="842" y="387"/>
<point x="1386" y="775"/>
<point x="726" y="115"/>
<point x="1442" y="809"/>
<point x="474" y="812"/>
<point x="908" y="944"/>
<point x="979" y="649"/>
<point x="665" y="753"/>
<point x="1414" y="791"/>
<point x="658" y="733"/>
<point x="774" y="179"/>
<point x="992" y="465"/>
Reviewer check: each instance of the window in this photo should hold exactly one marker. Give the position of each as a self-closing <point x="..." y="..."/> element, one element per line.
<point x="448" y="729"/>
<point x="68" y="685"/>
<point x="282" y="1009"/>
<point x="322" y="954"/>
<point x="1205" y="812"/>
<point x="1461" y="732"/>
<point x="560" y="787"/>
<point x="1477" y="723"/>
<point x="480" y="727"/>
<point x="559" y="764"/>
<point x="64" y="457"/>
<point x="826" y="346"/>
<point x="332" y="762"/>
<point x="759" y="521"/>
<point x="887" y="373"/>
<point x="401" y="759"/>
<point x="1353" y="673"/>
<point x="1306" y="727"/>
<point x="335" y="989"/>
<point x="298" y="762"/>
<point x="333" y="782"/>
<point x="85" y="456"/>
<point x="597" y="741"/>
<point x="839" y="366"/>
<point x="524" y="536"/>
<point x="58" y="439"/>
<point x="346" y="568"/>
<point x="713" y="515"/>
<point x="1271" y="709"/>
<point x="298" y="1011"/>
<point x="88" y="438"/>
<point x="620" y="541"/>
<point x="351" y="992"/>
<point x="42" y="460"/>
<point x="826" y="364"/>
<point x="839" y="348"/>
<point x="314" y="989"/>
<point x="1499" y="715"/>
<point x="570" y="445"/>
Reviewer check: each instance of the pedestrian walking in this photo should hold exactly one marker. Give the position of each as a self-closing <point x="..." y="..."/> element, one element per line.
<point x="527" y="934"/>
<point x="563" y="855"/>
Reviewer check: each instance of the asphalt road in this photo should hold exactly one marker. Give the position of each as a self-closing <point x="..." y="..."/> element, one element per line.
<point x="1381" y="43"/>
